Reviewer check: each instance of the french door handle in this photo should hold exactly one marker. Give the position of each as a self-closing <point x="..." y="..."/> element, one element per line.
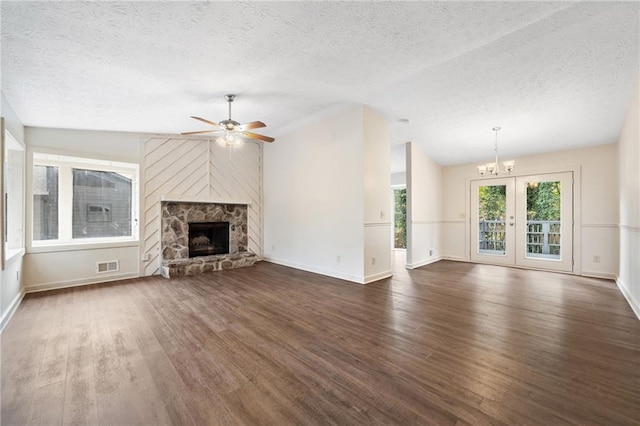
<point x="510" y="223"/>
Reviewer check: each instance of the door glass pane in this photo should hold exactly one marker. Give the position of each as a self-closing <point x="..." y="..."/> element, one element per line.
<point x="492" y="208"/>
<point x="543" y="220"/>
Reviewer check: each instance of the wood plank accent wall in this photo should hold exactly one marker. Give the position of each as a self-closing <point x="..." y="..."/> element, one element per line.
<point x="198" y="168"/>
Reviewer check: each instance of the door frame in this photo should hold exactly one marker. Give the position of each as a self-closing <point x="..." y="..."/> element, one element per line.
<point x="529" y="171"/>
<point x="565" y="263"/>
<point x="509" y="258"/>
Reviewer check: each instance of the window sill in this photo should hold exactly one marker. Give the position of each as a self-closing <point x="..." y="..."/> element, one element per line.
<point x="13" y="254"/>
<point x="81" y="246"/>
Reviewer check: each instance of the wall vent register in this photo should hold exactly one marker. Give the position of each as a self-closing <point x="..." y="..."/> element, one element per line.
<point x="107" y="266"/>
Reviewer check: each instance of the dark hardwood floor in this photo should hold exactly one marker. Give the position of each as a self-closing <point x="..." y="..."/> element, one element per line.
<point x="449" y="343"/>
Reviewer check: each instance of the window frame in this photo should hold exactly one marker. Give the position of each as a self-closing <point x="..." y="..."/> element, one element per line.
<point x="12" y="195"/>
<point x="66" y="163"/>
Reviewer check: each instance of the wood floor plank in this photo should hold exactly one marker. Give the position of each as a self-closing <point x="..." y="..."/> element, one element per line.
<point x="24" y="342"/>
<point x="47" y="405"/>
<point x="80" y="392"/>
<point x="447" y="344"/>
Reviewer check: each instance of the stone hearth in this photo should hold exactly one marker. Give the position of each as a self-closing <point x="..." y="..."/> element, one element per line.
<point x="176" y="216"/>
<point x="200" y="264"/>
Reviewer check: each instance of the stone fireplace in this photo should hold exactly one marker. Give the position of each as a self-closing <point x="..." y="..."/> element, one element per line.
<point x="200" y="237"/>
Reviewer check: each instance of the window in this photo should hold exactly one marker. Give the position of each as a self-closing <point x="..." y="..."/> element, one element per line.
<point x="13" y="196"/>
<point x="83" y="200"/>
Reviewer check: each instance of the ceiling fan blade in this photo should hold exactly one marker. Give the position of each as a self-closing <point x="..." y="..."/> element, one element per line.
<point x="257" y="136"/>
<point x="252" y="125"/>
<point x="199" y="132"/>
<point x="204" y="120"/>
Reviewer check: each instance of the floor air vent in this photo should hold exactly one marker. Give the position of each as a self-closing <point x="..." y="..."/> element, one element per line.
<point x="108" y="266"/>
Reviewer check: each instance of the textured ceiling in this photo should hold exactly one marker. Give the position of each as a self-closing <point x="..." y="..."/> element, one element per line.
<point x="553" y="74"/>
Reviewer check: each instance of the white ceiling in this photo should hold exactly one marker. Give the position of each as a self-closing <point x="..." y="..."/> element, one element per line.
<point x="554" y="75"/>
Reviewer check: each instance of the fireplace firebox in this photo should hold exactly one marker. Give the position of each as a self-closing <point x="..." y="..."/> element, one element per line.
<point x="208" y="238"/>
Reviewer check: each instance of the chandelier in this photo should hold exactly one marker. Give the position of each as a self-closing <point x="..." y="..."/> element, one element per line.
<point x="494" y="168"/>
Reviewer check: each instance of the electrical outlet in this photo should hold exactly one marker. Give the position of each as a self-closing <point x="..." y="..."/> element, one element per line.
<point x="273" y="248"/>
<point x="596" y="258"/>
<point x="431" y="252"/>
<point x="338" y="259"/>
<point x="18" y="275"/>
<point x="373" y="260"/>
<point x="381" y="214"/>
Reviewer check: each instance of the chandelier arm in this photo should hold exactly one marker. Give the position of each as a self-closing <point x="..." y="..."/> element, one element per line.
<point x="494" y="168"/>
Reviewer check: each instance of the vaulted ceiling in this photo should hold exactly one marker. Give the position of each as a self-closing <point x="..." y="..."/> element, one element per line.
<point x="554" y="75"/>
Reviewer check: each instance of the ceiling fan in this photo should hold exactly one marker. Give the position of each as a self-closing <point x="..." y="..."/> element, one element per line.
<point x="232" y="132"/>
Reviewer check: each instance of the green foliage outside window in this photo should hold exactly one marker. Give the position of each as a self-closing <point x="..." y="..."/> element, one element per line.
<point x="543" y="201"/>
<point x="400" y="218"/>
<point x="493" y="202"/>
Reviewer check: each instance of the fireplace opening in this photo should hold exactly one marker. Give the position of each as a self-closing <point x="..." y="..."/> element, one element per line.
<point x="207" y="238"/>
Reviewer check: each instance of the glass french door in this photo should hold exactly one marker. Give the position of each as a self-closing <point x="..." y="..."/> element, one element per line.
<point x="523" y="221"/>
<point x="492" y="219"/>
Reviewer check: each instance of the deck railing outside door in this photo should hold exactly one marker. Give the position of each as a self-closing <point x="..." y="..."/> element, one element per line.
<point x="543" y="237"/>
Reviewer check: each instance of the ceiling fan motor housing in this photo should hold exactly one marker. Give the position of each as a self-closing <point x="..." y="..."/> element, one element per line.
<point x="229" y="124"/>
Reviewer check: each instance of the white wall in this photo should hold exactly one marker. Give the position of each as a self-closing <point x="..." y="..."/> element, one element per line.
<point x="11" y="277"/>
<point x="313" y="197"/>
<point x="629" y="170"/>
<point x="398" y="179"/>
<point x="115" y="146"/>
<point x="58" y="269"/>
<point x="424" y="208"/>
<point x="596" y="192"/>
<point x="46" y="269"/>
<point x="378" y="216"/>
<point x="327" y="205"/>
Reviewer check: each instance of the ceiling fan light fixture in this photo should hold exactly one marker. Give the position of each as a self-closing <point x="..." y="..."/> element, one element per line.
<point x="229" y="140"/>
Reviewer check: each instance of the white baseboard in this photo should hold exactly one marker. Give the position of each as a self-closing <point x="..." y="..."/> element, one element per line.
<point x="594" y="274"/>
<point x="631" y="300"/>
<point x="334" y="274"/>
<point x="11" y="310"/>
<point x="83" y="281"/>
<point x="423" y="263"/>
<point x="379" y="276"/>
<point x="454" y="258"/>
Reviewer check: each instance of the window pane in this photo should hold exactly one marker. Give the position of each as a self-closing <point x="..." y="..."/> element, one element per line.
<point x="543" y="220"/>
<point x="45" y="203"/>
<point x="492" y="210"/>
<point x="101" y="204"/>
